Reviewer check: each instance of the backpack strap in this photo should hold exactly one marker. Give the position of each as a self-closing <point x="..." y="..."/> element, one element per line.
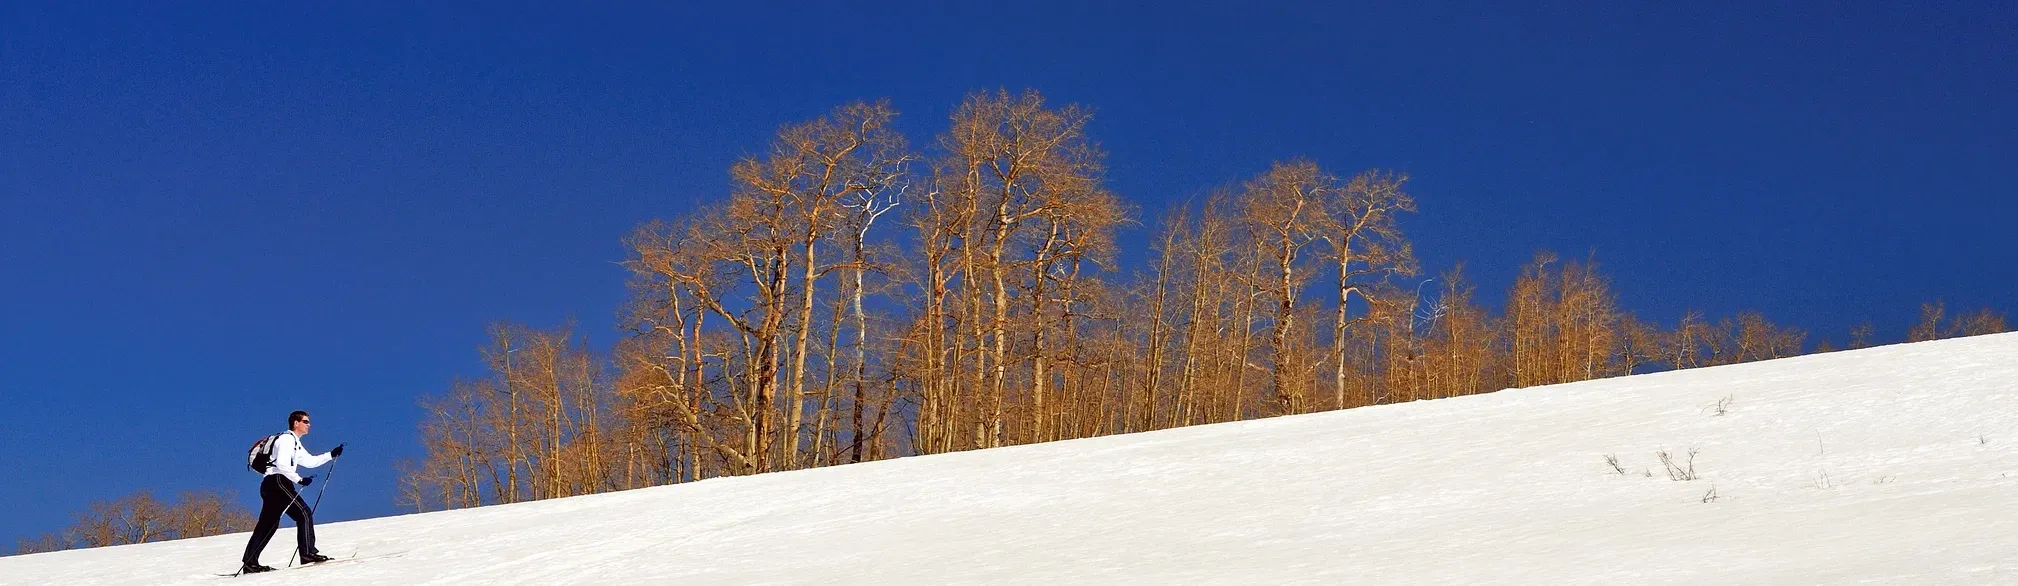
<point x="272" y="448"/>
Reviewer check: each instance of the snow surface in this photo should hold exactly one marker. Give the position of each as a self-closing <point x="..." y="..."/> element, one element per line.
<point x="1889" y="465"/>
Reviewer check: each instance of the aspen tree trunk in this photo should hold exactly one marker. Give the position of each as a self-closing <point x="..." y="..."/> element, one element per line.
<point x="999" y="325"/>
<point x="808" y="276"/>
<point x="1248" y="307"/>
<point x="1153" y="377"/>
<point x="1338" y="328"/>
<point x="1039" y="376"/>
<point x="862" y="357"/>
<point x="1202" y="278"/>
<point x="1285" y="316"/>
<point x="931" y="415"/>
<point x="512" y="456"/>
<point x="1072" y="384"/>
<point x="977" y="328"/>
<point x="769" y="362"/>
<point x="694" y="395"/>
<point x="824" y="415"/>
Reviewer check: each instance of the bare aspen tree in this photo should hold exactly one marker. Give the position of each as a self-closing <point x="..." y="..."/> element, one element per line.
<point x="1758" y="339"/>
<point x="684" y="274"/>
<point x="1176" y="229"/>
<point x="511" y="421"/>
<point x="1639" y="344"/>
<point x="1018" y="174"/>
<point x="1982" y="322"/>
<point x="1365" y="243"/>
<point x="792" y="202"/>
<point x="1459" y="349"/>
<point x="941" y="221"/>
<point x="1063" y="293"/>
<point x="1283" y="210"/>
<point x="1720" y="343"/>
<point x="1563" y="323"/>
<point x="881" y="192"/>
<point x="1684" y="346"/>
<point x="1585" y="323"/>
<point x="1529" y="330"/>
<point x="1249" y="307"/>
<point x="677" y="419"/>
<point x="1860" y="336"/>
<point x="1197" y="267"/>
<point x="1391" y="335"/>
<point x="660" y="364"/>
<point x="463" y="450"/>
<point x="1929" y="326"/>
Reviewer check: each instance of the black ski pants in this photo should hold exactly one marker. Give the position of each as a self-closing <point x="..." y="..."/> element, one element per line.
<point x="277" y="495"/>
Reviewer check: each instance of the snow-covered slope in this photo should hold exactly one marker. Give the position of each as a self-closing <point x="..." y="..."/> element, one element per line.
<point x="1891" y="465"/>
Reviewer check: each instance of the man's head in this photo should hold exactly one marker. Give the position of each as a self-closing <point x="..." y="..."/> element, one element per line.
<point x="297" y="422"/>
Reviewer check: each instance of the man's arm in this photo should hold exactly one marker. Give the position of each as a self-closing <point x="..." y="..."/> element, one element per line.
<point x="307" y="460"/>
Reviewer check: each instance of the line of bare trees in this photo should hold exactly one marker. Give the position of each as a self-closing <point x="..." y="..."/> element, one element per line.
<point x="142" y="518"/>
<point x="853" y="299"/>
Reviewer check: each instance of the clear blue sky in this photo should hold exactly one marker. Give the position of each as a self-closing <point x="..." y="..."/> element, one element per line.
<point x="212" y="215"/>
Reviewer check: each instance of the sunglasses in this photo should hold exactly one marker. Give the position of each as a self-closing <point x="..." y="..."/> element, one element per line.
<point x="302" y="421"/>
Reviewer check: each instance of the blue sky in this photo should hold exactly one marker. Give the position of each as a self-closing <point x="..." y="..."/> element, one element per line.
<point x="210" y="214"/>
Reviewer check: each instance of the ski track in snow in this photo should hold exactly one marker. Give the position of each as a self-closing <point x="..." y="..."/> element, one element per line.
<point x="1889" y="465"/>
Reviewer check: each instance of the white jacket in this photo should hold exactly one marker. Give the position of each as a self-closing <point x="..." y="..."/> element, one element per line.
<point x="288" y="454"/>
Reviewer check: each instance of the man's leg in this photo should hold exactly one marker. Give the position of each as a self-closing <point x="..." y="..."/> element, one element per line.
<point x="271" y="503"/>
<point x="304" y="522"/>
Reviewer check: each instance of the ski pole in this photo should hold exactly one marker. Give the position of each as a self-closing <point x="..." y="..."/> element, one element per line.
<point x="306" y="513"/>
<point x="325" y="485"/>
<point x="309" y="512"/>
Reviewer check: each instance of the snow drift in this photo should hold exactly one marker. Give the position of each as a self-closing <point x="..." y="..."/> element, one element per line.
<point x="1896" y="464"/>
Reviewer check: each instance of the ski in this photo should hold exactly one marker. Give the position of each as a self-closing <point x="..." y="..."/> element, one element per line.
<point x="350" y="558"/>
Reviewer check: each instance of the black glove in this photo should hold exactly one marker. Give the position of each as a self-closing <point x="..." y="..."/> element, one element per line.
<point x="338" y="452"/>
<point x="306" y="480"/>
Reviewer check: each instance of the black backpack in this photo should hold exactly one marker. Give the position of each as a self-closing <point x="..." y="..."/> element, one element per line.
<point x="260" y="457"/>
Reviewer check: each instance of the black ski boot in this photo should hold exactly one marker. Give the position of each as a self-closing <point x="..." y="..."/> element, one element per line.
<point x="313" y="558"/>
<point x="253" y="568"/>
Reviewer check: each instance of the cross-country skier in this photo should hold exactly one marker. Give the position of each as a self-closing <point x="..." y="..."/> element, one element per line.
<point x="277" y="495"/>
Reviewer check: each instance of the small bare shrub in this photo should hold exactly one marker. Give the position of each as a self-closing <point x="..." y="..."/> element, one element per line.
<point x="1711" y="496"/>
<point x="1679" y="472"/>
<point x="1721" y="407"/>
<point x="1613" y="461"/>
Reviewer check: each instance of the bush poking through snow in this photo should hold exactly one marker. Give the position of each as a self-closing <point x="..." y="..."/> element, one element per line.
<point x="1723" y="406"/>
<point x="1613" y="460"/>
<point x="1822" y="480"/>
<point x="1711" y="496"/>
<point x="1679" y="472"/>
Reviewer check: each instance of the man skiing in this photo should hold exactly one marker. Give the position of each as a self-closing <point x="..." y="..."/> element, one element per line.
<point x="277" y="495"/>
